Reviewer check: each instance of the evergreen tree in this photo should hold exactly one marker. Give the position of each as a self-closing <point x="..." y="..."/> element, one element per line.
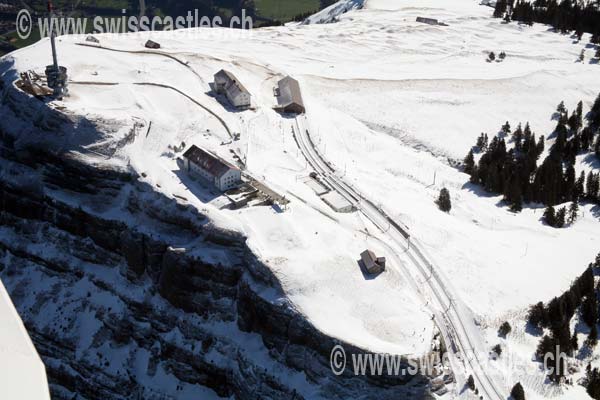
<point x="443" y="202"/>
<point x="563" y="15"/>
<point x="582" y="56"/>
<point x="491" y="56"/>
<point x="471" y="383"/>
<point x="573" y="212"/>
<point x="550" y="216"/>
<point x="469" y="162"/>
<point x="568" y="186"/>
<point x="587" y="138"/>
<point x="482" y="142"/>
<point x="527" y="130"/>
<point x="500" y="8"/>
<point x="589" y="310"/>
<point x="537" y="315"/>
<point x="574" y="122"/>
<point x="592" y="186"/>
<point x="505" y="128"/>
<point x="517" y="392"/>
<point x="574" y="341"/>
<point x="580" y="186"/>
<point x="561" y="109"/>
<point x="593" y="382"/>
<point x="540" y="146"/>
<point x="497" y="349"/>
<point x="546" y="345"/>
<point x="504" y="329"/>
<point x="592" y="339"/>
<point x="594" y="114"/>
<point x="515" y="197"/>
<point x="517" y="137"/>
<point x="561" y="217"/>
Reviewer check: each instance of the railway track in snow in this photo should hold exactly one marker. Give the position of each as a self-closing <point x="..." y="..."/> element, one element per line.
<point x="453" y="319"/>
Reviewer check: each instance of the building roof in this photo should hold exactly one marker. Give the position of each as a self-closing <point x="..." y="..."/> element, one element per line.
<point x="289" y="92"/>
<point x="371" y="261"/>
<point x="208" y="161"/>
<point x="368" y="257"/>
<point x="232" y="85"/>
<point x="152" y="44"/>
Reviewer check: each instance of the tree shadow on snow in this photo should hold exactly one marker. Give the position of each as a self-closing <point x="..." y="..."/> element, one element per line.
<point x="478" y="190"/>
<point x="596" y="211"/>
<point x="592" y="161"/>
<point x="533" y="330"/>
<point x="584" y="352"/>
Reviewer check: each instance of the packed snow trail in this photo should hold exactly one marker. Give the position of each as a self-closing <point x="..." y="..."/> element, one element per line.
<point x="453" y="318"/>
<point x="164" y="86"/>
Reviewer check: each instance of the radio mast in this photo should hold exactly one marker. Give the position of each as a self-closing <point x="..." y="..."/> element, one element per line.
<point x="56" y="75"/>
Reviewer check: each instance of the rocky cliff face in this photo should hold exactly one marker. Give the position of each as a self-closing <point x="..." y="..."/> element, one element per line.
<point x="94" y="263"/>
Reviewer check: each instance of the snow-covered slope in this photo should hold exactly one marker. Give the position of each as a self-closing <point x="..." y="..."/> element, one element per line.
<point x="390" y="102"/>
<point x="334" y="11"/>
<point x="23" y="375"/>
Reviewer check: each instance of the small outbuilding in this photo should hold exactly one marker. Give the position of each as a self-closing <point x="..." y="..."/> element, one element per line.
<point x="289" y="97"/>
<point x="337" y="202"/>
<point x="430" y="21"/>
<point x="220" y="173"/>
<point x="150" y="44"/>
<point x="226" y="83"/>
<point x="372" y="263"/>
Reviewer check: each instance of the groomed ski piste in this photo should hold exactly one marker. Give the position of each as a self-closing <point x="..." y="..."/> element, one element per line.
<point x="391" y="105"/>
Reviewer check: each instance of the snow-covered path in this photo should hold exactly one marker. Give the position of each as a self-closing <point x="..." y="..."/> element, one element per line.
<point x="452" y="317"/>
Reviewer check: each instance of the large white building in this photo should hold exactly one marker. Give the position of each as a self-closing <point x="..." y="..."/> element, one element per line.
<point x="208" y="166"/>
<point x="226" y="83"/>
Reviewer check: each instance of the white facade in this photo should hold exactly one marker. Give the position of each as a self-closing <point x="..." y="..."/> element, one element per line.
<point x="227" y="177"/>
<point x="226" y="83"/>
<point x="238" y="99"/>
<point x="229" y="180"/>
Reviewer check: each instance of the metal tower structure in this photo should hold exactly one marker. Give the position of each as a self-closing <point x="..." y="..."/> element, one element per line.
<point x="56" y="75"/>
